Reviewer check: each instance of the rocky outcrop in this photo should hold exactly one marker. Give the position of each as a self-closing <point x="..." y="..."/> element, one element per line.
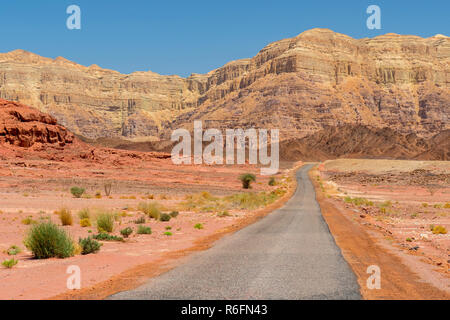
<point x="356" y="141"/>
<point x="24" y="126"/>
<point x="300" y="85"/>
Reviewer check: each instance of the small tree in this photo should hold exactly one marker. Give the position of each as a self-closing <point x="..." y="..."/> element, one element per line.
<point x="247" y="179"/>
<point x="108" y="186"/>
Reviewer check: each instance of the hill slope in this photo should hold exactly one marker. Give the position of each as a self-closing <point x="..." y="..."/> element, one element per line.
<point x="301" y="85"/>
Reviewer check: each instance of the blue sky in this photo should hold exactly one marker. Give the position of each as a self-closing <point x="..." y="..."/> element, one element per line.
<point x="182" y="37"/>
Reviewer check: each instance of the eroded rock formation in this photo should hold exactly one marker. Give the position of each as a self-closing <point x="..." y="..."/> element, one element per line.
<point x="300" y="85"/>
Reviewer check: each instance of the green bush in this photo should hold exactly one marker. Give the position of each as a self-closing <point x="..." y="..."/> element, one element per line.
<point x="47" y="240"/>
<point x="144" y="230"/>
<point x="198" y="226"/>
<point x="77" y="192"/>
<point x="13" y="250"/>
<point x="9" y="263"/>
<point x="126" y="232"/>
<point x="105" y="222"/>
<point x="174" y="214"/>
<point x="152" y="209"/>
<point x="89" y="245"/>
<point x="107" y="237"/>
<point x="247" y="179"/>
<point x="165" y="217"/>
<point x="168" y="233"/>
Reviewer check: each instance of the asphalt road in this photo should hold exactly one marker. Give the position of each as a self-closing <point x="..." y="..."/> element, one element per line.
<point x="290" y="254"/>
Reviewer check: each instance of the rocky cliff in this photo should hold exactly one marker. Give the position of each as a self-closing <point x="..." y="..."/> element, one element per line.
<point x="300" y="85"/>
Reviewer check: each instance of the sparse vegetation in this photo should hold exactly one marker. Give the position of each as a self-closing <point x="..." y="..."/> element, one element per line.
<point x="98" y="195"/>
<point x="105" y="222"/>
<point x="358" y="201"/>
<point x="107" y="237"/>
<point x="152" y="209"/>
<point x="77" y="192"/>
<point x="447" y="205"/>
<point x="85" y="223"/>
<point x="126" y="232"/>
<point x="144" y="230"/>
<point x="108" y="187"/>
<point x="272" y="181"/>
<point x="28" y="220"/>
<point x="438" y="230"/>
<point x="13" y="250"/>
<point x="167" y="233"/>
<point x="65" y="216"/>
<point x="84" y="214"/>
<point x="140" y="220"/>
<point x="89" y="245"/>
<point x="174" y="214"/>
<point x="224" y="214"/>
<point x="9" y="263"/>
<point x="247" y="179"/>
<point x="47" y="240"/>
<point x="198" y="226"/>
<point x="409" y="240"/>
<point x="165" y="217"/>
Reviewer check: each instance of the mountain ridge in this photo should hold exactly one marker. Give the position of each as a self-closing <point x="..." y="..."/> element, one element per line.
<point x="300" y="85"/>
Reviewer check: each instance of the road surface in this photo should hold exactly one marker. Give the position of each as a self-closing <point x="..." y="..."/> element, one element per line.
<point x="290" y="254"/>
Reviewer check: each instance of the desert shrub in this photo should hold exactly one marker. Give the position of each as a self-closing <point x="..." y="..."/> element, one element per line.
<point x="126" y="232"/>
<point x="28" y="220"/>
<point x="65" y="216"/>
<point x="174" y="214"/>
<point x="272" y="181"/>
<point x="10" y="263"/>
<point x="247" y="179"/>
<point x="77" y="192"/>
<point x="85" y="223"/>
<point x="167" y="233"/>
<point x="107" y="237"/>
<point x="98" y="194"/>
<point x="89" y="245"/>
<point x="152" y="209"/>
<point x="439" y="230"/>
<point x="13" y="250"/>
<point x="140" y="220"/>
<point x="84" y="214"/>
<point x="425" y="205"/>
<point x="144" y="230"/>
<point x="224" y="214"/>
<point x="447" y="205"/>
<point x="165" y="217"/>
<point x="105" y="222"/>
<point x="408" y="239"/>
<point x="47" y="240"/>
<point x="198" y="226"/>
<point x="108" y="186"/>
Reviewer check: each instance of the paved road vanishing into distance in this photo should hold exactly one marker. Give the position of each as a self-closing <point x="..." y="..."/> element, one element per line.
<point x="289" y="254"/>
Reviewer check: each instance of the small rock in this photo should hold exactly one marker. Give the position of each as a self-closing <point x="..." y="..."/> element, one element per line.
<point x="362" y="216"/>
<point x="414" y="248"/>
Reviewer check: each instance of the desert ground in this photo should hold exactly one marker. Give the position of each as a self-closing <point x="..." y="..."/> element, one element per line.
<point x="404" y="205"/>
<point x="35" y="187"/>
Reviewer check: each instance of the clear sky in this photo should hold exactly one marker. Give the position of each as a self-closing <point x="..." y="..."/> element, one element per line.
<point x="182" y="37"/>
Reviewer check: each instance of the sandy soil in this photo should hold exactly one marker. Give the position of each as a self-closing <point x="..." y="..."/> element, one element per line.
<point x="36" y="188"/>
<point x="400" y="201"/>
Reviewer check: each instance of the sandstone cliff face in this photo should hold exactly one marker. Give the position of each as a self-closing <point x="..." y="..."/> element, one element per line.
<point x="24" y="126"/>
<point x="299" y="85"/>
